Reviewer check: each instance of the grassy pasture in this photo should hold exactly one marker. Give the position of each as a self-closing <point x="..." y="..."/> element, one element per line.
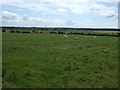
<point x="51" y="61"/>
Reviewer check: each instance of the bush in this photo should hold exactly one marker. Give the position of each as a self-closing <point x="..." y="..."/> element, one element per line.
<point x="3" y="31"/>
<point x="12" y="31"/>
<point x="61" y="33"/>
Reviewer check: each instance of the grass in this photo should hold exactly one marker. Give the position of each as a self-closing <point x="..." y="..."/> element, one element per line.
<point x="51" y="61"/>
<point x="0" y="58"/>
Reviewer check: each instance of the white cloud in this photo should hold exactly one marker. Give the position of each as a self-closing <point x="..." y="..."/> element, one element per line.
<point x="25" y="17"/>
<point x="50" y="6"/>
<point x="62" y="10"/>
<point x="53" y="1"/>
<point x="70" y="23"/>
<point x="64" y="7"/>
<point x="8" y="15"/>
<point x="103" y="11"/>
<point x="32" y="21"/>
<point x="18" y="20"/>
<point x="9" y="18"/>
<point x="81" y="10"/>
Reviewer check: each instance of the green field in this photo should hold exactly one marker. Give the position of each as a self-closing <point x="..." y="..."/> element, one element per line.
<point x="51" y="61"/>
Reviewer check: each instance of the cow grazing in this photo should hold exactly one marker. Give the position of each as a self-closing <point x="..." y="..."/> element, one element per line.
<point x="65" y="36"/>
<point x="75" y="38"/>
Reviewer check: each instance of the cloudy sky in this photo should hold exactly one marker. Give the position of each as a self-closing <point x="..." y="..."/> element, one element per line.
<point x="60" y="13"/>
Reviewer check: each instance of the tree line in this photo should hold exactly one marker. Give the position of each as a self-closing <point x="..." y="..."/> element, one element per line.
<point x="60" y="32"/>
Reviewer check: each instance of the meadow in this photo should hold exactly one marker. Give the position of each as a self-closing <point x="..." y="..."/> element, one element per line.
<point x="52" y="61"/>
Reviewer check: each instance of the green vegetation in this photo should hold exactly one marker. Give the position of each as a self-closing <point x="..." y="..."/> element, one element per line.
<point x="51" y="61"/>
<point x="0" y="58"/>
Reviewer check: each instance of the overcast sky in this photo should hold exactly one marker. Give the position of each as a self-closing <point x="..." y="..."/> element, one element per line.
<point x="60" y="13"/>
